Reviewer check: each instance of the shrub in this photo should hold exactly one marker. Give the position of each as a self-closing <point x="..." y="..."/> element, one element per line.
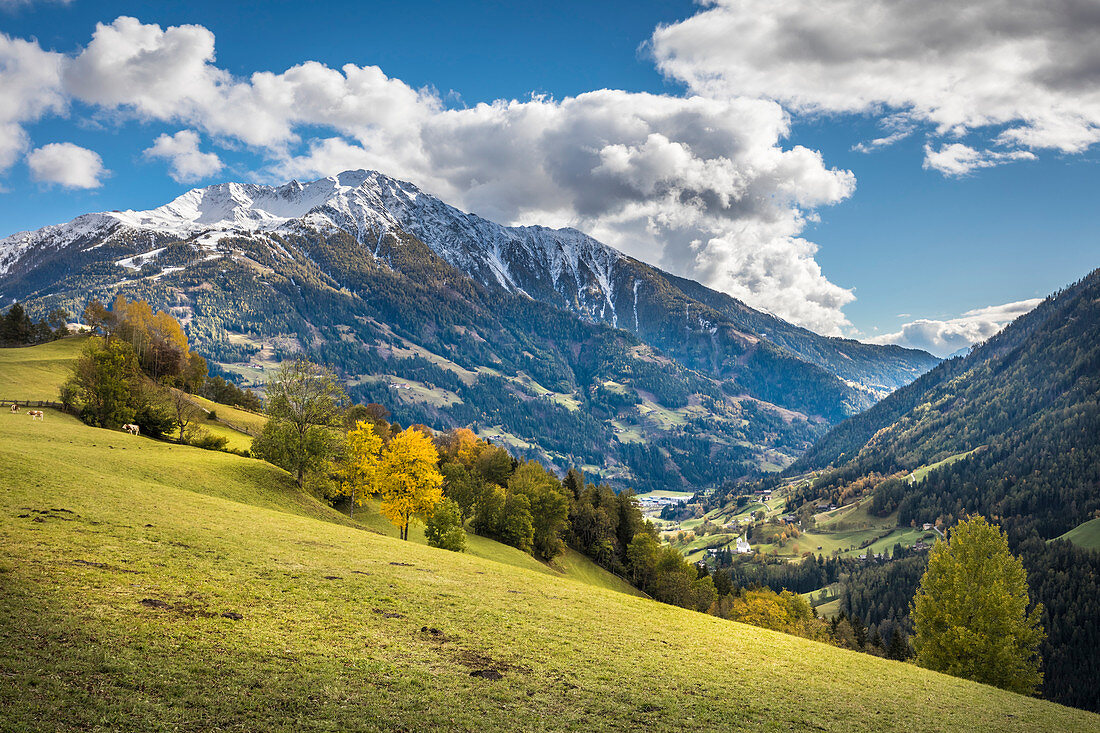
<point x="209" y="441"/>
<point x="444" y="527"/>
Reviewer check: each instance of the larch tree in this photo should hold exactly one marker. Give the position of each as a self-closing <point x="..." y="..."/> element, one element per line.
<point x="970" y="611"/>
<point x="410" y="482"/>
<point x="304" y="406"/>
<point x="361" y="461"/>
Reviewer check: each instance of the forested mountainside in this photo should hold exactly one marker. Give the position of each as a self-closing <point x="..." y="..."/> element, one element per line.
<point x="645" y="379"/>
<point x="1026" y="403"/>
<point x="1011" y="432"/>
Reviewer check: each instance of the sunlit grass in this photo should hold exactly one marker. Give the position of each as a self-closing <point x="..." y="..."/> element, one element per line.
<point x="111" y="617"/>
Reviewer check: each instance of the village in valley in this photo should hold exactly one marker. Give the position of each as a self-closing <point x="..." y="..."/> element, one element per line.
<point x="758" y="523"/>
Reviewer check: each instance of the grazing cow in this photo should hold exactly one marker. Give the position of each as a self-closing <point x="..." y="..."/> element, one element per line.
<point x="14" y="407"/>
<point x="35" y="414"/>
<point x="131" y="428"/>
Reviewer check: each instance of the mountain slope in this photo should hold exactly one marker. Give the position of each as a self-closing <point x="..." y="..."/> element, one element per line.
<point x="1029" y="398"/>
<point x="1019" y="419"/>
<point x="403" y="292"/>
<point x="113" y="615"/>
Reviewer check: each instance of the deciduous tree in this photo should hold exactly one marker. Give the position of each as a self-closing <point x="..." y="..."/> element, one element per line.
<point x="360" y="463"/>
<point x="304" y="403"/>
<point x="410" y="482"/>
<point x="444" y="527"/>
<point x="970" y="611"/>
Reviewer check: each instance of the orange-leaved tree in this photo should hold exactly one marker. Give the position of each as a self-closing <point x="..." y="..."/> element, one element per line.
<point x="410" y="482"/>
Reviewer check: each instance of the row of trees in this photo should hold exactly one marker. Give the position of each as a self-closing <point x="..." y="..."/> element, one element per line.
<point x="142" y="371"/>
<point x="17" y="328"/>
<point x="453" y="480"/>
<point x="156" y="339"/>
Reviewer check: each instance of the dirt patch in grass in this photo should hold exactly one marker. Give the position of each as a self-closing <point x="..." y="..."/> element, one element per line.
<point x="188" y="609"/>
<point x="387" y="614"/>
<point x="103" y="566"/>
<point x="480" y="665"/>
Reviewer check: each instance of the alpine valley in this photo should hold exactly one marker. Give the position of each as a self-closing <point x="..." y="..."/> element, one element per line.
<point x="545" y="340"/>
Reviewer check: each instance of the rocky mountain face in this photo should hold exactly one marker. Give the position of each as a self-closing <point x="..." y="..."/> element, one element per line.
<point x="545" y="338"/>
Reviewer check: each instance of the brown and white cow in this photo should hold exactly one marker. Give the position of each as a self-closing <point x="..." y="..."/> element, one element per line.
<point x="131" y="428"/>
<point x="35" y="414"/>
<point x="14" y="407"/>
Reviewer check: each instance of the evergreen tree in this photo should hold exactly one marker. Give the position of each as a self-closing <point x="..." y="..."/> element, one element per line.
<point x="897" y="648"/>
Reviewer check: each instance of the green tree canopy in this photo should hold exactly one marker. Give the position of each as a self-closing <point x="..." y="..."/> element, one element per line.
<point x="444" y="528"/>
<point x="548" y="505"/>
<point x="304" y="404"/>
<point x="970" y="611"/>
<point x="103" y="384"/>
<point x="463" y="486"/>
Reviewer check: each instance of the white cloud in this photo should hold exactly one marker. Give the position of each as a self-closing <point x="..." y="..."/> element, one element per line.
<point x="67" y="165"/>
<point x="169" y="74"/>
<point x="1024" y="72"/>
<point x="187" y="163"/>
<point x="30" y="86"/>
<point x="702" y="187"/>
<point x="948" y="336"/>
<point x="957" y="159"/>
<point x="14" y="4"/>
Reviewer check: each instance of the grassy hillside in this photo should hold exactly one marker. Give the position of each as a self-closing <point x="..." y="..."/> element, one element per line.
<point x="24" y="375"/>
<point x="1086" y="535"/>
<point x="35" y="372"/>
<point x="147" y="586"/>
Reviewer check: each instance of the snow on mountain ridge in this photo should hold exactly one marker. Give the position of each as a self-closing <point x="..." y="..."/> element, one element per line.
<point x="367" y="204"/>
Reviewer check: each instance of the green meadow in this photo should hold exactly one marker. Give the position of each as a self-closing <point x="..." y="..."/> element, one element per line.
<point x="1085" y="535"/>
<point x="34" y="373"/>
<point x="146" y="586"/>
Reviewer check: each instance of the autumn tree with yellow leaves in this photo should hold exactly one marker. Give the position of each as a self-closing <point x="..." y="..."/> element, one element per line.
<point x="361" y="463"/>
<point x="410" y="482"/>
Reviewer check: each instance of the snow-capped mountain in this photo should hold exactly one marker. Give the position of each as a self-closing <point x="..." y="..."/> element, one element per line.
<point x="513" y="327"/>
<point x="547" y="338"/>
<point x="562" y="267"/>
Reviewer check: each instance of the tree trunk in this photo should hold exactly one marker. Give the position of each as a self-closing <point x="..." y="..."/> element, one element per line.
<point x="301" y="475"/>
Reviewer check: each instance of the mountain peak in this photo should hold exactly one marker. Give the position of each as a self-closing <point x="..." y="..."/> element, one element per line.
<point x="243" y="206"/>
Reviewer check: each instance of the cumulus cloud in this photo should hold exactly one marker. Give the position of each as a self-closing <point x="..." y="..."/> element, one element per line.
<point x="30" y="86"/>
<point x="699" y="186"/>
<point x="946" y="337"/>
<point x="170" y="74"/>
<point x="187" y="163"/>
<point x="703" y="187"/>
<point x="67" y="165"/>
<point x="1024" y="72"/>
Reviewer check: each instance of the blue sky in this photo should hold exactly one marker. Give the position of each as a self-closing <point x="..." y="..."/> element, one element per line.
<point x="986" y="198"/>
